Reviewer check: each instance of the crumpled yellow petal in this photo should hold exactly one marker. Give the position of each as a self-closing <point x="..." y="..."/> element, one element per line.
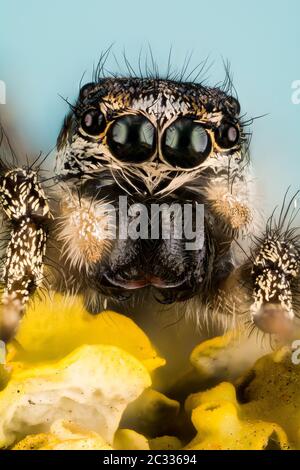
<point x="91" y="386"/>
<point x="165" y="443"/>
<point x="225" y="357"/>
<point x="75" y="379"/>
<point x="271" y="390"/>
<point x="212" y="357"/>
<point x="127" y="439"/>
<point x="151" y="412"/>
<point x="55" y="326"/>
<point x="5" y="372"/>
<point x="63" y="435"/>
<point x="221" y="424"/>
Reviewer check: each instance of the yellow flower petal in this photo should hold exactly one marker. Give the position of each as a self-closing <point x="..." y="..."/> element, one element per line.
<point x="63" y="435"/>
<point x="224" y="391"/>
<point x="165" y="443"/>
<point x="226" y="357"/>
<point x="213" y="357"/>
<point x="127" y="439"/>
<point x="37" y="442"/>
<point x="271" y="390"/>
<point x="151" y="413"/>
<point x="91" y="386"/>
<point x="220" y="423"/>
<point x="54" y="327"/>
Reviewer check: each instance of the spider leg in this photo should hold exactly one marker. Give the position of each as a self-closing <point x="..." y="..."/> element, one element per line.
<point x="27" y="210"/>
<point x="273" y="276"/>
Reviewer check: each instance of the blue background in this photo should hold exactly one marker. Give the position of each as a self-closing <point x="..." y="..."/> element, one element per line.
<point x="45" y="46"/>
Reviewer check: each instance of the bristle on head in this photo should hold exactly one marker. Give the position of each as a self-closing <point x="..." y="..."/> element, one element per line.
<point x="85" y="230"/>
<point x="234" y="212"/>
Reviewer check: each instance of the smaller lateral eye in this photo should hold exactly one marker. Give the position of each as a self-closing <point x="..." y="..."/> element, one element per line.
<point x="93" y="122"/>
<point x="227" y="135"/>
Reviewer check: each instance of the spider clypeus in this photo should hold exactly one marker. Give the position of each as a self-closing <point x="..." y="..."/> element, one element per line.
<point x="155" y="141"/>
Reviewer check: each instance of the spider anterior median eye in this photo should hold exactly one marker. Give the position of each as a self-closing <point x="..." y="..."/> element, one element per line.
<point x="132" y="138"/>
<point x="227" y="135"/>
<point x="93" y="122"/>
<point x="185" y="144"/>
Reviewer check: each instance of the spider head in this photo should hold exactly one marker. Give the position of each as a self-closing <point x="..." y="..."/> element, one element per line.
<point x="134" y="125"/>
<point x="155" y="142"/>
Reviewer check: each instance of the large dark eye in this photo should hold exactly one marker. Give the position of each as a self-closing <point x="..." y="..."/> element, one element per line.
<point x="185" y="144"/>
<point x="93" y="122"/>
<point x="132" y="139"/>
<point x="227" y="135"/>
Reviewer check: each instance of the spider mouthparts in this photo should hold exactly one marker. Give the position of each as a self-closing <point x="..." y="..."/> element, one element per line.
<point x="146" y="280"/>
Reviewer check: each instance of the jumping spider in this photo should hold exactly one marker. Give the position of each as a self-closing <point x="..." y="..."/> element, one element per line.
<point x="155" y="141"/>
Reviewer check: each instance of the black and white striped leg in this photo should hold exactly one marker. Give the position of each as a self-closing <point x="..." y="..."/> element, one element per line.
<point x="275" y="280"/>
<point x="27" y="210"/>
